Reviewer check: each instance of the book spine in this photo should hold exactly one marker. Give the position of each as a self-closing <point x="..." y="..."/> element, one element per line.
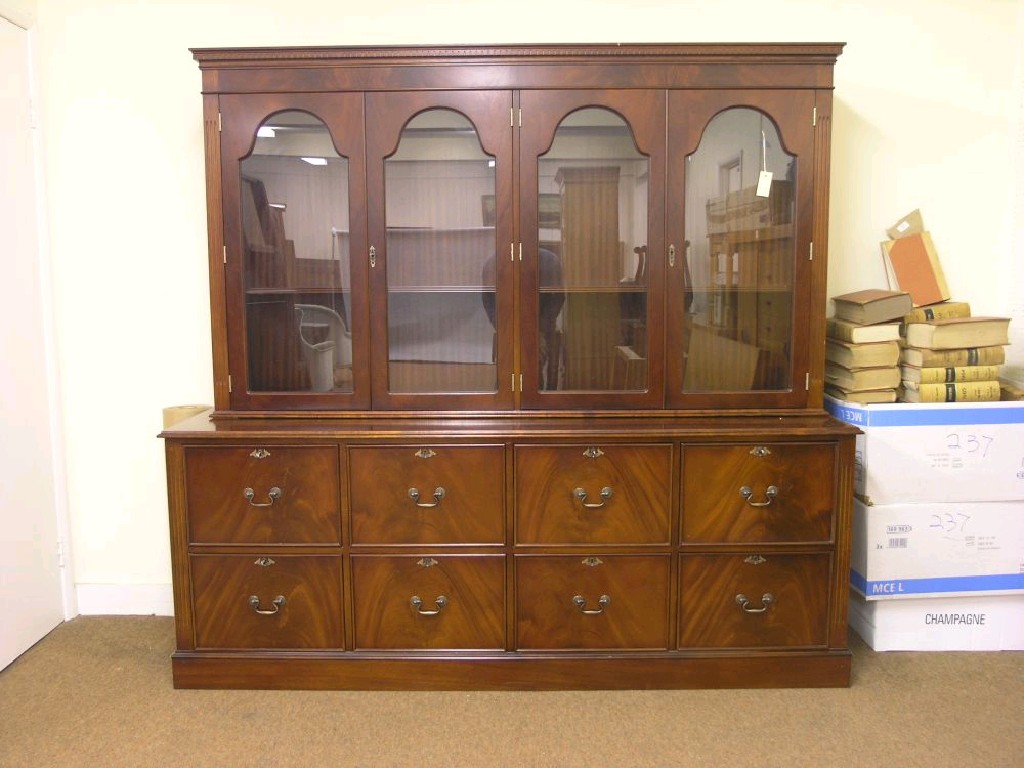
<point x="943" y="311"/>
<point x="837" y="330"/>
<point x="959" y="392"/>
<point x="959" y="373"/>
<point x="940" y="358"/>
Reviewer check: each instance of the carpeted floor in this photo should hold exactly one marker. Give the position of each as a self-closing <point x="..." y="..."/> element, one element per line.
<point x="97" y="692"/>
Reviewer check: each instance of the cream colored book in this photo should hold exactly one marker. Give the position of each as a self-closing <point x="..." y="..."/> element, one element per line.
<point x="912" y="375"/>
<point x="860" y="379"/>
<point x="955" y="392"/>
<point x="856" y="333"/>
<point x="957" y="332"/>
<point x="943" y="358"/>
<point x="874" y="355"/>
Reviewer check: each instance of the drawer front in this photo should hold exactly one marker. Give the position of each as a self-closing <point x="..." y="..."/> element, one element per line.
<point x="606" y="601"/>
<point x="758" y="493"/>
<point x="441" y="494"/>
<point x="753" y="601"/>
<point x="579" y="494"/>
<point x="259" y="601"/>
<point x="429" y="601"/>
<point x="263" y="495"/>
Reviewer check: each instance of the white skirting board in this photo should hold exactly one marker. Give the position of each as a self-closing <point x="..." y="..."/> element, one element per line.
<point x="125" y="599"/>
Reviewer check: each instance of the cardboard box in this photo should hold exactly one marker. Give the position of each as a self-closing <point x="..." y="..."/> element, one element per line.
<point x="915" y="550"/>
<point x="926" y="452"/>
<point x="986" y="623"/>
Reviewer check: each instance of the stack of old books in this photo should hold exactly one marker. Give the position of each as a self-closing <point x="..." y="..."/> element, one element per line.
<point x="862" y="350"/>
<point x="950" y="355"/>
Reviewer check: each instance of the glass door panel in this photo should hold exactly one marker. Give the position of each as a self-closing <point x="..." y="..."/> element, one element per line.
<point x="295" y="229"/>
<point x="439" y="214"/>
<point x="297" y="330"/>
<point x="739" y="206"/>
<point x="590" y="217"/>
<point x="740" y="190"/>
<point x="442" y="300"/>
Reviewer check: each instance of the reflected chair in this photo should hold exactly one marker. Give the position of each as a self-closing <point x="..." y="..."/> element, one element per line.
<point x="326" y="346"/>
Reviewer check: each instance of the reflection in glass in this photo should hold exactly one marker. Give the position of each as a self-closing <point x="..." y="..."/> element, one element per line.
<point x="592" y="228"/>
<point x="439" y="198"/>
<point x="740" y="254"/>
<point x="294" y="210"/>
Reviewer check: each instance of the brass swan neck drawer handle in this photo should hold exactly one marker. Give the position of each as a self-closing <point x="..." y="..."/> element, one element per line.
<point x="770" y="493"/>
<point x="744" y="603"/>
<point x="417" y="602"/>
<point x="277" y="602"/>
<point x="273" y="494"/>
<point x="414" y="494"/>
<point x="606" y="493"/>
<point x="581" y="603"/>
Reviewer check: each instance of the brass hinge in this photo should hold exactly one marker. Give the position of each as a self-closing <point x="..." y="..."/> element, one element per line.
<point x="810" y="252"/>
<point x="225" y="254"/>
<point x="220" y="123"/>
<point x="229" y="383"/>
<point x="814" y="117"/>
<point x="807" y="381"/>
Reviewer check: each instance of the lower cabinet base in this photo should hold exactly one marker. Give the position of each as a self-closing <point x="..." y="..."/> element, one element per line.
<point x="535" y="672"/>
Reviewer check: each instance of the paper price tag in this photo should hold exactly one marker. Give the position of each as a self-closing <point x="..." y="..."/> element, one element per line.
<point x="764" y="184"/>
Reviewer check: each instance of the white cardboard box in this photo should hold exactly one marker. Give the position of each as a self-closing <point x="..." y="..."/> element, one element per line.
<point x="915" y="550"/>
<point x="925" y="452"/>
<point x="982" y="623"/>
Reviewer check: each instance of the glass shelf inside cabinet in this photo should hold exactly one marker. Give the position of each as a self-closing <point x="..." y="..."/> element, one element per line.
<point x="440" y="217"/>
<point x="740" y="256"/>
<point x="592" y="230"/>
<point x="294" y="198"/>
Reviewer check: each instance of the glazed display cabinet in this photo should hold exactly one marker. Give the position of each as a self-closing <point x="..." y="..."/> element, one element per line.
<point x="517" y="358"/>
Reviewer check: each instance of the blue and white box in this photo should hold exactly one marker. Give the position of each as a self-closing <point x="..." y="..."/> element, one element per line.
<point x="930" y="550"/>
<point x="913" y="453"/>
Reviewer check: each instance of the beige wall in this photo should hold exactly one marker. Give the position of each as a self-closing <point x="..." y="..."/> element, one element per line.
<point x="928" y="115"/>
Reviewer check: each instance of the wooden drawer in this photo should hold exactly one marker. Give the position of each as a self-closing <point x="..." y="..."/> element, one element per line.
<point x="753" y="601"/>
<point x="781" y="492"/>
<point x="429" y="601"/>
<point x="606" y="601"/>
<point x="441" y="494"/>
<point x="259" y="601"/>
<point x="580" y="494"/>
<point x="263" y="495"/>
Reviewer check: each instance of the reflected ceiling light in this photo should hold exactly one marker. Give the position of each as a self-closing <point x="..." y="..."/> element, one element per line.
<point x="265" y="132"/>
<point x="316" y="160"/>
<point x="490" y="163"/>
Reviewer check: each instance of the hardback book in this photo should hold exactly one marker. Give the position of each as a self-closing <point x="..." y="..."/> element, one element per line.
<point x="1010" y="391"/>
<point x="916" y="268"/>
<point x="912" y="375"/>
<point x="860" y="379"/>
<point x="865" y="397"/>
<point x="943" y="358"/>
<point x="844" y="330"/>
<point x="954" y="392"/>
<point x="869" y="355"/>
<point x="872" y="305"/>
<point x="957" y="332"/>
<point x="939" y="311"/>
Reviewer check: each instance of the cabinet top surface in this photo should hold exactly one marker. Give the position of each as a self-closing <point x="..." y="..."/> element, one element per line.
<point x="462" y="426"/>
